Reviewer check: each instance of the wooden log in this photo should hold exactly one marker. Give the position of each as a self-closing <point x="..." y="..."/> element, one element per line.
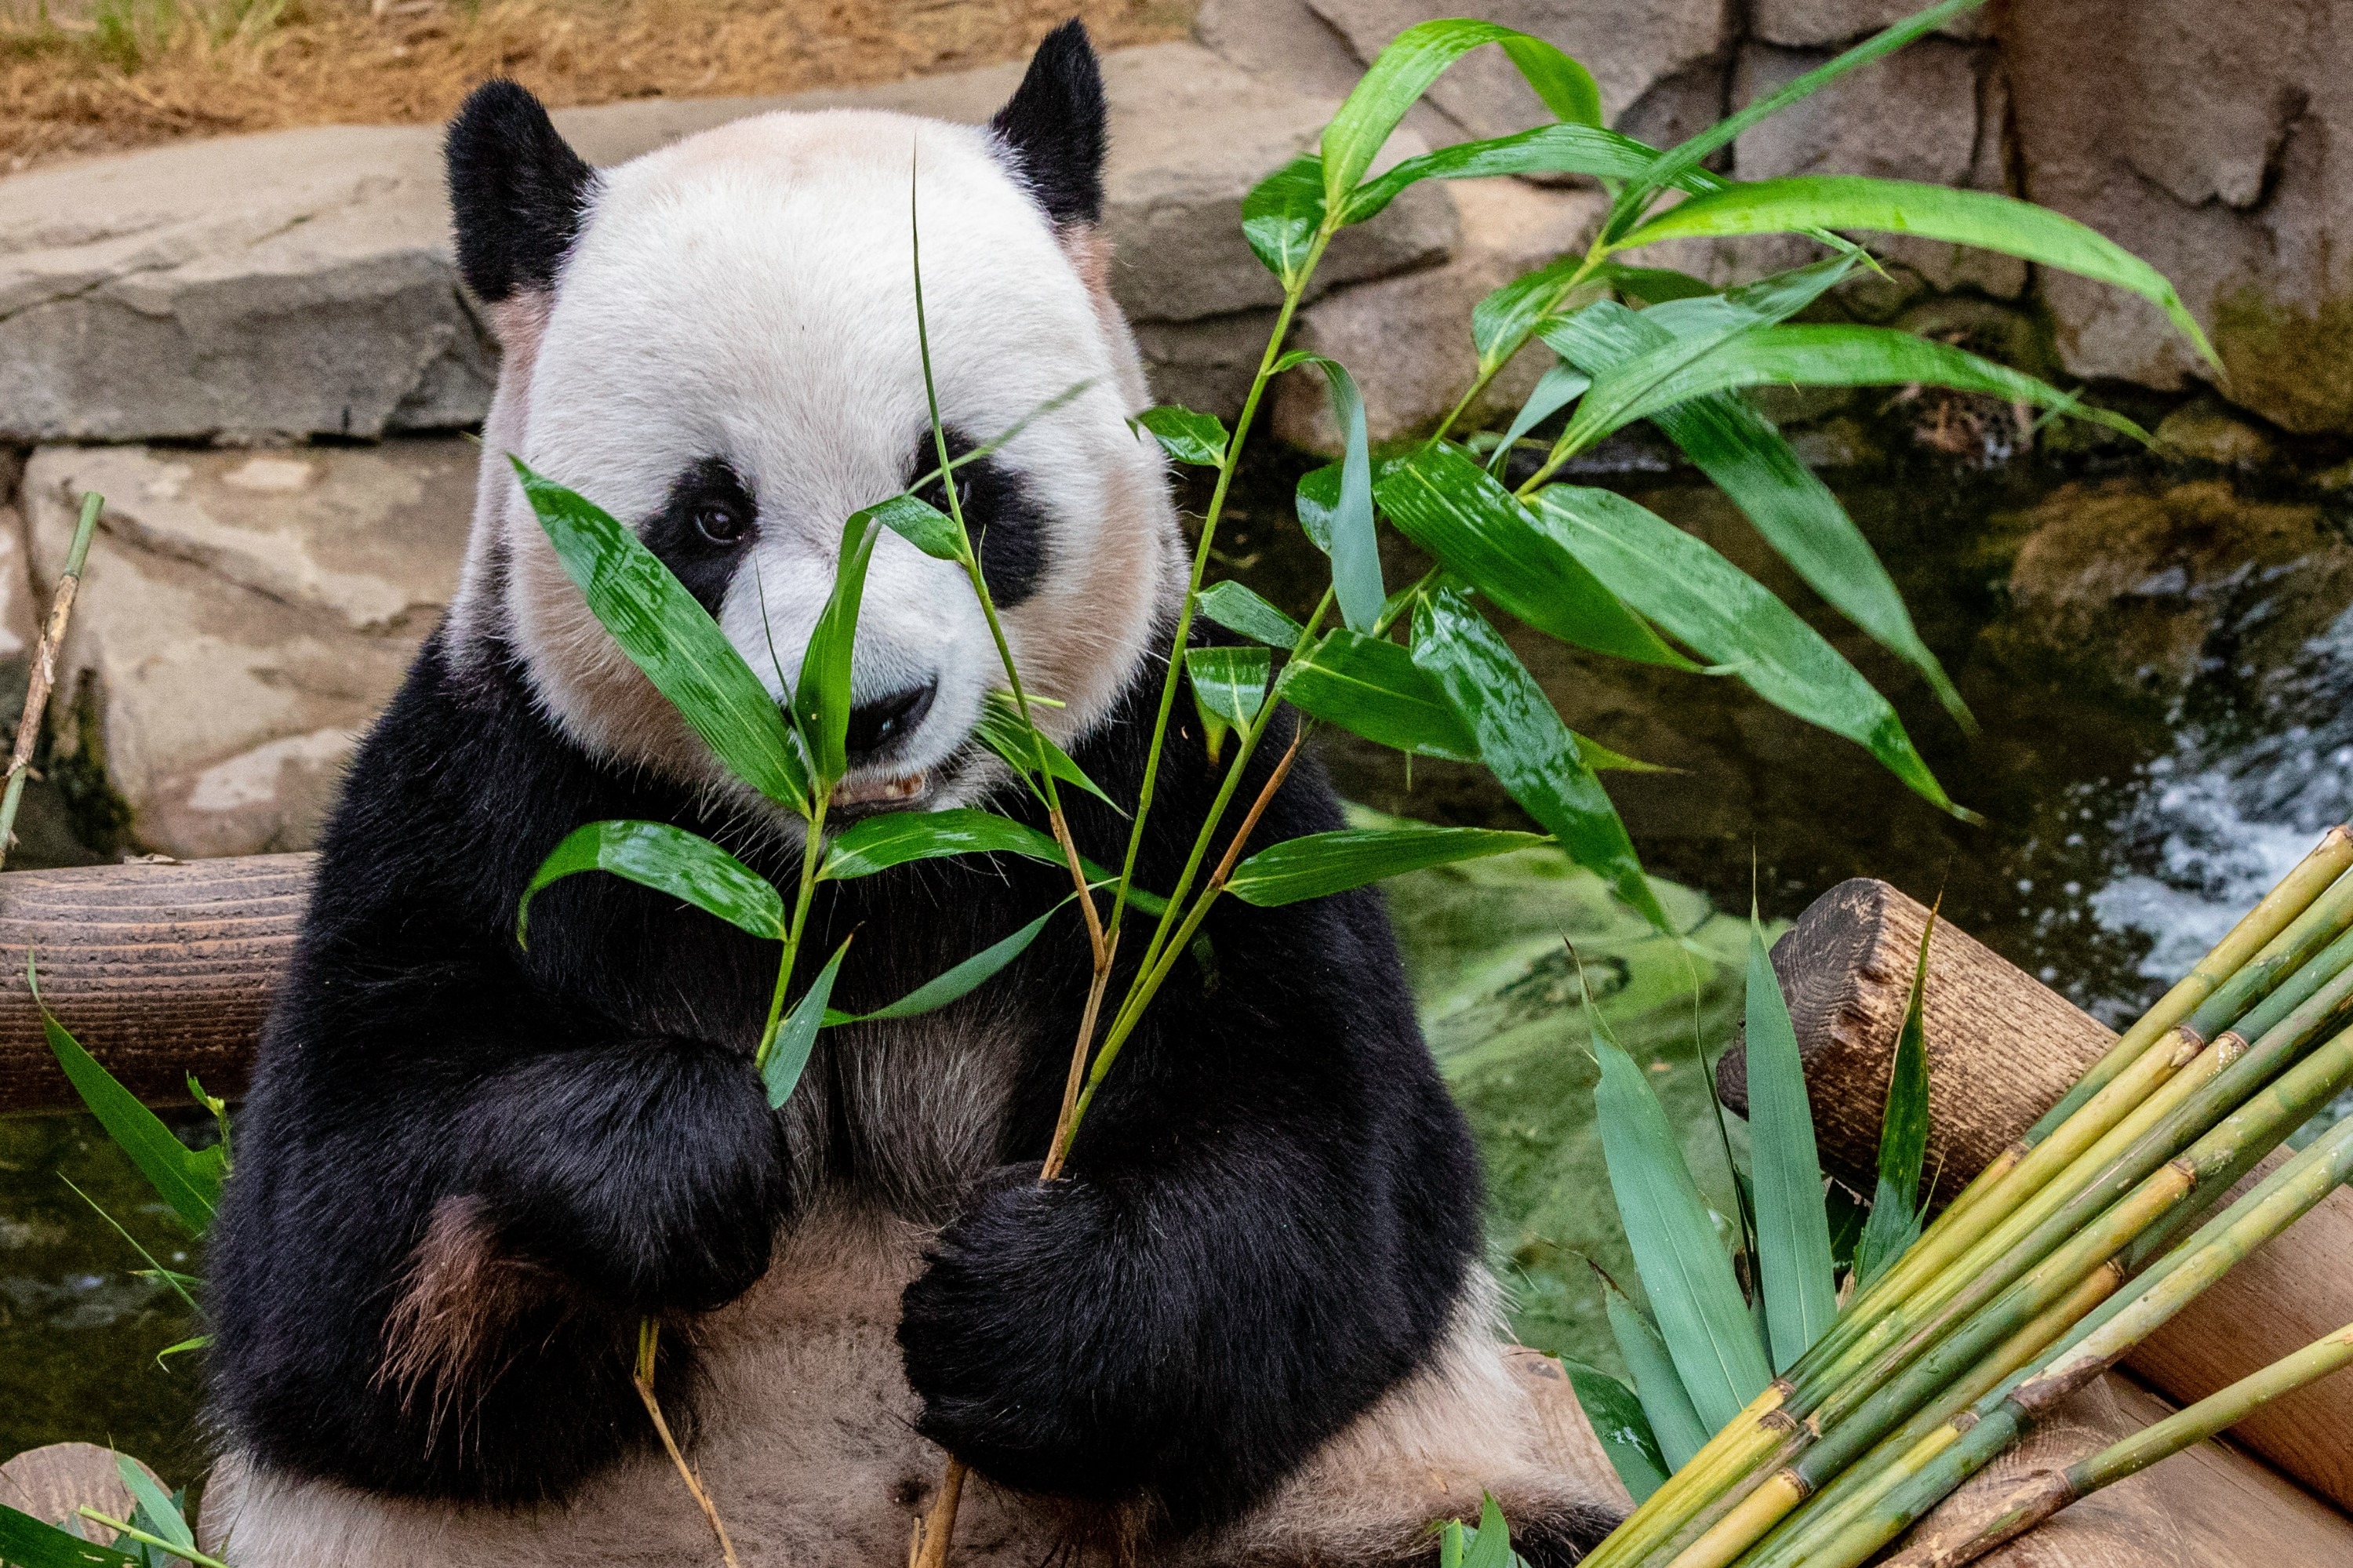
<point x="161" y="970"/>
<point x="2001" y="1047"/>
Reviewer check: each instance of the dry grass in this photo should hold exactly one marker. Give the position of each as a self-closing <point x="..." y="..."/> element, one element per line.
<point x="124" y="73"/>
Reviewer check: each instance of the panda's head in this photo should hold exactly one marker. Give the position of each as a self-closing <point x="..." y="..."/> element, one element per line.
<point x="717" y="343"/>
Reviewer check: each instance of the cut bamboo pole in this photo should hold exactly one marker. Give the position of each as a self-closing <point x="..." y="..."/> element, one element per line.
<point x="2047" y="1492"/>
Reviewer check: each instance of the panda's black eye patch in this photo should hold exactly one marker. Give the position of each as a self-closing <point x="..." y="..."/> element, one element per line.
<point x="1007" y="525"/>
<point x="701" y="530"/>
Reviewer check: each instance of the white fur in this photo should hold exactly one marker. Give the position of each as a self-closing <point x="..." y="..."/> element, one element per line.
<point x="749" y="293"/>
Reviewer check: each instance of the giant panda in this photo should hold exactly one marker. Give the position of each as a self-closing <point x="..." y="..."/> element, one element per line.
<point x="1250" y="1326"/>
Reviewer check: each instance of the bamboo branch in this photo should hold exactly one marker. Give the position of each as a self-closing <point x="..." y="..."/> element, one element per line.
<point x="649" y="1337"/>
<point x="44" y="669"/>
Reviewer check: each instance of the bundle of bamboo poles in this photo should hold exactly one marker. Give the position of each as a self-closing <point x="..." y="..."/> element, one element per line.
<point x="2061" y="1257"/>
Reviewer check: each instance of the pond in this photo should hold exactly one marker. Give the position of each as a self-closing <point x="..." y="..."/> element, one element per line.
<point x="2156" y="658"/>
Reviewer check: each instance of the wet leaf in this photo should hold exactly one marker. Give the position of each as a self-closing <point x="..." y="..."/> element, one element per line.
<point x="670" y="860"/>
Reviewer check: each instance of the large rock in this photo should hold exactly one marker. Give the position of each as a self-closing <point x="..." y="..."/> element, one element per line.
<point x="1814" y="22"/>
<point x="302" y="282"/>
<point x="243" y="618"/>
<point x="2214" y="138"/>
<point x="2144" y="583"/>
<point x="1638" y="50"/>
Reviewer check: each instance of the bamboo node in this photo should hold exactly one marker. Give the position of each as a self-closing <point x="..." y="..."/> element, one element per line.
<point x="1777" y="1420"/>
<point x="1788" y="1477"/>
<point x="2185" y="1050"/>
<point x="1963" y="1422"/>
<point x="2038" y="1394"/>
<point x="2229" y="1046"/>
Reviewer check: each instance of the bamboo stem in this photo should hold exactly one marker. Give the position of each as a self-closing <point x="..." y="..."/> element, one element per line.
<point x="44" y="669"/>
<point x="184" y="1554"/>
<point x="937" y="1530"/>
<point x="1989" y="1426"/>
<point x="2046" y="1493"/>
<point x="649" y="1337"/>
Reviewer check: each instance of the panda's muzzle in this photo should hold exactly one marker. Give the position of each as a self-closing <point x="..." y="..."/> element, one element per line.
<point x="879" y="729"/>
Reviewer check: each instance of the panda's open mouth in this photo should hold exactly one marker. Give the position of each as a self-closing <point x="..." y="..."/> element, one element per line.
<point x="881" y="789"/>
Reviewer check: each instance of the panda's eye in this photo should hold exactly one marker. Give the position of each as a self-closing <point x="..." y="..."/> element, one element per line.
<point x="719" y="522"/>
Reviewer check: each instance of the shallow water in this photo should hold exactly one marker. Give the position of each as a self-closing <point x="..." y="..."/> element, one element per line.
<point x="2129" y="820"/>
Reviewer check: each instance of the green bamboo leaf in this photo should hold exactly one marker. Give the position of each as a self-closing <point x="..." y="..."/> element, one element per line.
<point x="1695" y="329"/>
<point x="1490" y="1546"/>
<point x="1657" y="1384"/>
<point x="1415" y="58"/>
<point x="666" y="859"/>
<point x="1981" y="218"/>
<point x="1860" y="357"/>
<point x="1565" y="148"/>
<point x="1315" y="865"/>
<point x="200" y="1342"/>
<point x="1502" y="320"/>
<point x="188" y="1179"/>
<point x="1552" y="391"/>
<point x="1681" y="582"/>
<point x="1188" y="437"/>
<point x="1443" y="500"/>
<point x="1523" y="742"/>
<point x="1238" y="610"/>
<point x="164" y="1518"/>
<point x="1374" y="688"/>
<point x="788" y="1054"/>
<point x="1739" y="448"/>
<point x="1689" y="153"/>
<point x="1701" y="1312"/>
<point x="919" y="522"/>
<point x="1346" y="526"/>
<point x="184" y="1286"/>
<point x="1656" y="285"/>
<point x="671" y="637"/>
<point x="879" y="843"/>
<point x="821" y="701"/>
<point x="1619" y="1421"/>
<point x="27" y="1543"/>
<point x="1793" y="1227"/>
<point x="1282" y="216"/>
<point x="1230" y="682"/>
<point x="958" y="982"/>
<point x="1895" y="1222"/>
<point x="1004" y="731"/>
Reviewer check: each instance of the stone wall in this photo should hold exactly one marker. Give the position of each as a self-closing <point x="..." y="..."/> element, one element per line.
<point x="246" y="612"/>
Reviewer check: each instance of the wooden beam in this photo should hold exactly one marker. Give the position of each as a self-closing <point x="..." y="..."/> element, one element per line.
<point x="160" y="969"/>
<point x="2001" y="1047"/>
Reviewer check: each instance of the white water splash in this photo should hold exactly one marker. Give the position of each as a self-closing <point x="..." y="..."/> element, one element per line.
<point x="2219" y="823"/>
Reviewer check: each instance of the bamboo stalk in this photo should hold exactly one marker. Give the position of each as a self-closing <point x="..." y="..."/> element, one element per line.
<point x="1925" y="1434"/>
<point x="1989" y="1426"/>
<point x="2046" y="1493"/>
<point x="44" y="669"/>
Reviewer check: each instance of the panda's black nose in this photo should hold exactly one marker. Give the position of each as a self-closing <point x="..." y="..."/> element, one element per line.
<point x="880" y="728"/>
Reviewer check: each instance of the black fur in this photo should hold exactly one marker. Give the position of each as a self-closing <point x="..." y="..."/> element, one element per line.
<point x="1268" y="1221"/>
<point x="1057" y="126"/>
<point x="518" y="192"/>
<point x="1006" y="522"/>
<point x="688" y="536"/>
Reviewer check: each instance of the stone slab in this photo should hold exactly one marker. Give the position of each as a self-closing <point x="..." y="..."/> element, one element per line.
<point x="300" y="282"/>
<point x="243" y="618"/>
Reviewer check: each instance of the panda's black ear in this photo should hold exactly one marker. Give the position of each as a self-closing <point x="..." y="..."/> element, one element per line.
<point x="517" y="190"/>
<point x="1055" y="126"/>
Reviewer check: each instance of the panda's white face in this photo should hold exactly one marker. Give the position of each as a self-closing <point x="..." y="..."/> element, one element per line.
<point x="729" y="361"/>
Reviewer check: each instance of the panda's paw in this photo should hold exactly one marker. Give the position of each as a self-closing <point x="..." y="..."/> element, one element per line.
<point x="1004" y="1346"/>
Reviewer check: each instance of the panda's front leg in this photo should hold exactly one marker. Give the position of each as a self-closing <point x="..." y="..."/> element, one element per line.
<point x="650" y="1172"/>
<point x="1266" y="1224"/>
